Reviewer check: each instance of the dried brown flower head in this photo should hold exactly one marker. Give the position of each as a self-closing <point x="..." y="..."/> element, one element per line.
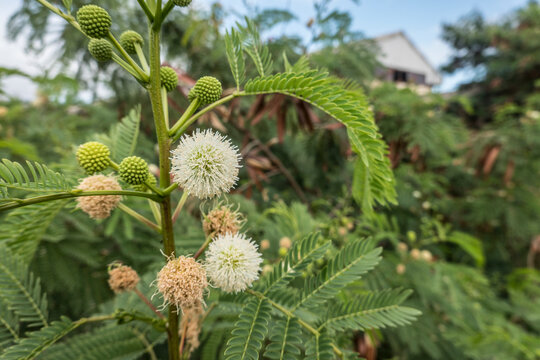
<point x="98" y="207"/>
<point x="182" y="282"/>
<point x="122" y="278"/>
<point x="222" y="220"/>
<point x="191" y="321"/>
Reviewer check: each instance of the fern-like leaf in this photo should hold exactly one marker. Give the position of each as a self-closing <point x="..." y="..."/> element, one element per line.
<point x="24" y="227"/>
<point x="374" y="310"/>
<point x="353" y="260"/>
<point x="235" y="55"/>
<point x="9" y="326"/>
<point x="249" y="331"/>
<point x="38" y="178"/>
<point x="20" y="290"/>
<point x="299" y="257"/>
<point x="122" y="138"/>
<point x="374" y="178"/>
<point x="320" y="348"/>
<point x="110" y="342"/>
<point x="37" y="341"/>
<point x="253" y="46"/>
<point x="285" y="338"/>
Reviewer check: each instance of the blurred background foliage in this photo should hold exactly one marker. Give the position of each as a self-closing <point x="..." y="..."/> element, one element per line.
<point x="464" y="236"/>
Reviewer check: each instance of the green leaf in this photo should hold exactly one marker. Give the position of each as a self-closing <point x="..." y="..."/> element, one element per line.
<point x="320" y="348"/>
<point x="38" y="178"/>
<point x="122" y="138"/>
<point x="253" y="46"/>
<point x="286" y="340"/>
<point x="349" y="106"/>
<point x="235" y="55"/>
<point x="353" y="260"/>
<point x="38" y="341"/>
<point x="249" y="331"/>
<point x="301" y="254"/>
<point x="20" y="290"/>
<point x="469" y="244"/>
<point x="23" y="228"/>
<point x="374" y="310"/>
<point x="9" y="326"/>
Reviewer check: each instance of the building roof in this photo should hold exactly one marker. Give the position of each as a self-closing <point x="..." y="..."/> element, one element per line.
<point x="399" y="53"/>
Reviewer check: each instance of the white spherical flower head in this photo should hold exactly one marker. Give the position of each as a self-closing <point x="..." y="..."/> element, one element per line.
<point x="232" y="262"/>
<point x="205" y="164"/>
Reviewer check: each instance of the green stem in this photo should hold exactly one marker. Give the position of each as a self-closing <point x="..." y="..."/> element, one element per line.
<point x="156" y="26"/>
<point x="204" y="246"/>
<point x="210" y="107"/>
<point x="125" y="65"/>
<point x="287" y="312"/>
<point x="142" y="58"/>
<point x="165" y="102"/>
<point x="125" y="55"/>
<point x="164" y="144"/>
<point x="139" y="217"/>
<point x="155" y="211"/>
<point x="170" y="189"/>
<point x="166" y="10"/>
<point x="180" y="205"/>
<point x="193" y="106"/>
<point x="146" y="10"/>
<point x="16" y="203"/>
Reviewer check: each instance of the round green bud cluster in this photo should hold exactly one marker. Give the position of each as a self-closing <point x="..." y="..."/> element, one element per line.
<point x="207" y="90"/>
<point x="94" y="21"/>
<point x="142" y="187"/>
<point x="169" y="78"/>
<point x="134" y="170"/>
<point x="128" y="39"/>
<point x="93" y="157"/>
<point x="100" y="49"/>
<point x="182" y="3"/>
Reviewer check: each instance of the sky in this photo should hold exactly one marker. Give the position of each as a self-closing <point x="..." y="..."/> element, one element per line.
<point x="421" y="20"/>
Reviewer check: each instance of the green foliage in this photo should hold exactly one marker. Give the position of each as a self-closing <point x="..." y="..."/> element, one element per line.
<point x="20" y="293"/>
<point x="38" y="341"/>
<point x="249" y="331"/>
<point x="285" y="340"/>
<point x="320" y="348"/>
<point x="350" y="108"/>
<point x="122" y="138"/>
<point x="38" y="178"/>
<point x="235" y="55"/>
<point x="372" y="311"/>
<point x="354" y="260"/>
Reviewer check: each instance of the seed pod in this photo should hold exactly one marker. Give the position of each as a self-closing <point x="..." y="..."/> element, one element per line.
<point x="207" y="89"/>
<point x="182" y="3"/>
<point x="93" y="157"/>
<point x="134" y="170"/>
<point x="128" y="39"/>
<point x="94" y="21"/>
<point x="100" y="49"/>
<point x="169" y="78"/>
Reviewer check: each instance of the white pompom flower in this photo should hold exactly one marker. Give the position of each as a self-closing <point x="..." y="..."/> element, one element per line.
<point x="205" y="164"/>
<point x="232" y="262"/>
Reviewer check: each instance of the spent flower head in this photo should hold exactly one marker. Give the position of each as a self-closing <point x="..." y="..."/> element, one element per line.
<point x="122" y="278"/>
<point x="99" y="206"/>
<point x="222" y="220"/>
<point x="182" y="282"/>
<point x="205" y="164"/>
<point x="232" y="262"/>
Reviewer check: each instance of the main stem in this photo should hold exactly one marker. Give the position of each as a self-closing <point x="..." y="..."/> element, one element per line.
<point x="164" y="144"/>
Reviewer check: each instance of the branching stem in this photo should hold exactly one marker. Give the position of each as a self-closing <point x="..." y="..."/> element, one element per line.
<point x="139" y="217"/>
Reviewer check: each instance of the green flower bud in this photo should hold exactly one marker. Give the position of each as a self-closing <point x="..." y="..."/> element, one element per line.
<point x="182" y="3"/>
<point x="93" y="157"/>
<point x="169" y="78"/>
<point x="94" y="21"/>
<point x="100" y="49"/>
<point x="207" y="90"/>
<point x="142" y="187"/>
<point x="128" y="39"/>
<point x="134" y="170"/>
